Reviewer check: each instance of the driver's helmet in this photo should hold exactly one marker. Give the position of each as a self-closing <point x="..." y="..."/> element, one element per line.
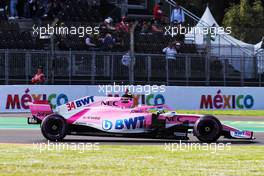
<point x="127" y="100"/>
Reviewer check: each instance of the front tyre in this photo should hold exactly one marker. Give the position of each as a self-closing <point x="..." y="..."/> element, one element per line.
<point x="54" y="127"/>
<point x="208" y="129"/>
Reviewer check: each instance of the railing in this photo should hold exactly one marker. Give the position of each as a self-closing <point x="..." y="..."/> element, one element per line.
<point x="81" y="67"/>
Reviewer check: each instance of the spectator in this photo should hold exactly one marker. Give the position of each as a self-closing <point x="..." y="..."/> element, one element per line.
<point x="44" y="8"/>
<point x="13" y="10"/>
<point x="39" y="77"/>
<point x="123" y="26"/>
<point x="177" y="15"/>
<point x="156" y="27"/>
<point x="170" y="51"/>
<point x="157" y="12"/>
<point x="119" y="41"/>
<point x="108" y="24"/>
<point x="126" y="59"/>
<point x="26" y="9"/>
<point x="108" y="42"/>
<point x="89" y="43"/>
<point x="178" y="47"/>
<point x="146" y="28"/>
<point x="55" y="9"/>
<point x="2" y="5"/>
<point x="61" y="44"/>
<point x="20" y="7"/>
<point x="35" y="11"/>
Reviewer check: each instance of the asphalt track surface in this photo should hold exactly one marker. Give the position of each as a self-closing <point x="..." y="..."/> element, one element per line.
<point x="33" y="136"/>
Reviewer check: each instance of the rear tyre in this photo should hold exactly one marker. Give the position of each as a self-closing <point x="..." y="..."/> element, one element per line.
<point x="54" y="127"/>
<point x="208" y="129"/>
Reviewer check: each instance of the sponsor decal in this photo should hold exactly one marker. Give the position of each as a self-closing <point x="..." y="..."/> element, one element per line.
<point x="130" y="123"/>
<point x="151" y="99"/>
<point x="220" y="101"/>
<point x="42" y="114"/>
<point x="107" y="125"/>
<point x="21" y="102"/>
<point x="80" y="103"/>
<point x="80" y="123"/>
<point x="239" y="133"/>
<point x="109" y="103"/>
<point x="91" y="117"/>
<point x="171" y="119"/>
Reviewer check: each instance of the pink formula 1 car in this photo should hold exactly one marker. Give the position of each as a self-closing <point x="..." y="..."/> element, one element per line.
<point x="114" y="116"/>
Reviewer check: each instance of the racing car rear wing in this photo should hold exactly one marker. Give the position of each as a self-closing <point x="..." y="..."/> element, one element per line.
<point x="40" y="109"/>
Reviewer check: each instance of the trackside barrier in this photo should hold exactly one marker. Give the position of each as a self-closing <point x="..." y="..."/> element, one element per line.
<point x="16" y="98"/>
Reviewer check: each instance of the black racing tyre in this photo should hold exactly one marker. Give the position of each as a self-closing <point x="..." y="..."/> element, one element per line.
<point x="208" y="129"/>
<point x="54" y="127"/>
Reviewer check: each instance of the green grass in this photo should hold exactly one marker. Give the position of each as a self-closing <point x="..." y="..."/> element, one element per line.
<point x="131" y="160"/>
<point x="225" y="112"/>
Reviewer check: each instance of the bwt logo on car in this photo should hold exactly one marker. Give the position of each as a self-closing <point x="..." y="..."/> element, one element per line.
<point x="17" y="102"/>
<point x="131" y="123"/>
<point x="219" y="101"/>
<point x="79" y="103"/>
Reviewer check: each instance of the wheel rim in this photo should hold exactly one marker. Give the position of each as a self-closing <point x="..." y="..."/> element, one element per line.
<point x="208" y="128"/>
<point x="54" y="126"/>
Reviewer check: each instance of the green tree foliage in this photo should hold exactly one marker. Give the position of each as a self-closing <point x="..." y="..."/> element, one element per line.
<point x="246" y="20"/>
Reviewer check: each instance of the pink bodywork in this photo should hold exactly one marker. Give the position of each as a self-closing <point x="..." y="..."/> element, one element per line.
<point x="96" y="112"/>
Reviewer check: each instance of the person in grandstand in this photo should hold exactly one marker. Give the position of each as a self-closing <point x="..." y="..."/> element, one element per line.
<point x="123" y="26"/>
<point x="157" y="12"/>
<point x="2" y="6"/>
<point x="177" y="15"/>
<point x="39" y="77"/>
<point x="155" y="27"/>
<point x="170" y="51"/>
<point x="13" y="9"/>
<point x="108" y="24"/>
<point x="108" y="42"/>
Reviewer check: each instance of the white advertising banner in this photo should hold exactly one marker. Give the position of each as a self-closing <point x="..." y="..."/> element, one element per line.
<point x="15" y="98"/>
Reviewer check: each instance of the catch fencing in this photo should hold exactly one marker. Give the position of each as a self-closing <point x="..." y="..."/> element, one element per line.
<point x="83" y="67"/>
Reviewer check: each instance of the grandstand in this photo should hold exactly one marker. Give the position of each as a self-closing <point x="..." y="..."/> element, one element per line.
<point x="67" y="59"/>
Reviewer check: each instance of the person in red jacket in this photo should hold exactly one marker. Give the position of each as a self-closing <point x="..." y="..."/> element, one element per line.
<point x="39" y="77"/>
<point x="157" y="12"/>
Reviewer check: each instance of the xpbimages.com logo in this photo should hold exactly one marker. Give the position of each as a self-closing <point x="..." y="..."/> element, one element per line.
<point x="134" y="89"/>
<point x="44" y="32"/>
<point x="183" y="30"/>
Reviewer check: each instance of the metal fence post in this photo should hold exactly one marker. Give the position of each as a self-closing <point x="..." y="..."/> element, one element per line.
<point x="187" y="70"/>
<point x="112" y="69"/>
<point x="47" y="67"/>
<point x="93" y="67"/>
<point x="208" y="57"/>
<point x="149" y="68"/>
<point x="207" y="70"/>
<point x="27" y="65"/>
<point x="259" y="79"/>
<point x="242" y="75"/>
<point x="132" y="53"/>
<point x="167" y="72"/>
<point x="52" y="58"/>
<point x="70" y="67"/>
<point x="224" y="71"/>
<point x="6" y="67"/>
